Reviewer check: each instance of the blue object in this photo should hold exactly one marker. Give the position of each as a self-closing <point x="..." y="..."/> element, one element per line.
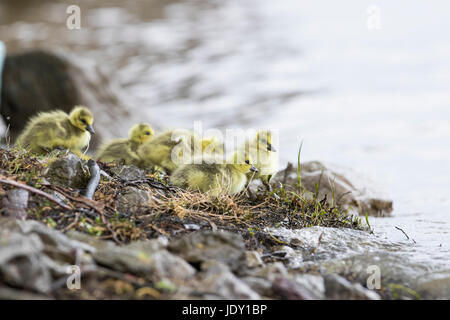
<point x="2" y="61"/>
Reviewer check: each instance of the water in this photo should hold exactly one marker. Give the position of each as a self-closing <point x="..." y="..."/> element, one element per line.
<point x="376" y="101"/>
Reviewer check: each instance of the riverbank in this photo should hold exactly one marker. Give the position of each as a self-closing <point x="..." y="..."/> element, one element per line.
<point x="141" y="238"/>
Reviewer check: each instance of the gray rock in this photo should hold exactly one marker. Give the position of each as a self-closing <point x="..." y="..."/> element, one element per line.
<point x="339" y="288"/>
<point x="21" y="262"/>
<point x="350" y="189"/>
<point x="91" y="241"/>
<point x="15" y="203"/>
<point x="33" y="256"/>
<point x="68" y="172"/>
<point x="434" y="286"/>
<point x="154" y="265"/>
<point x="204" y="245"/>
<point x="261" y="286"/>
<point x="271" y="271"/>
<point x="359" y="254"/>
<point x="14" y="294"/>
<point x="48" y="236"/>
<point x="253" y="259"/>
<point x="128" y="172"/>
<point x="132" y="200"/>
<point x="219" y="283"/>
<point x="288" y="289"/>
<point x="314" y="283"/>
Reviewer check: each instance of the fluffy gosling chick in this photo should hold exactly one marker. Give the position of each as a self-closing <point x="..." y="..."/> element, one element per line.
<point x="167" y="150"/>
<point x="212" y="178"/>
<point x="124" y="150"/>
<point x="57" y="129"/>
<point x="266" y="158"/>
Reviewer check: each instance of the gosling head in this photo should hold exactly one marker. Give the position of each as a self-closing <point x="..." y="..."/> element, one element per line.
<point x="141" y="133"/>
<point x="264" y="140"/>
<point x="243" y="163"/>
<point x="82" y="118"/>
<point x="212" y="145"/>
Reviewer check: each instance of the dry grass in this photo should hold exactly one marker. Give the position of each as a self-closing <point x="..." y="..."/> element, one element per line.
<point x="169" y="209"/>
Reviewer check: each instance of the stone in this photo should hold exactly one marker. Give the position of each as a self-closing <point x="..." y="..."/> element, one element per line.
<point x="15" y="203"/>
<point x="314" y="283"/>
<point x="253" y="259"/>
<point x="435" y="285"/>
<point x="154" y="265"/>
<point x="68" y="172"/>
<point x="200" y="246"/>
<point x="132" y="200"/>
<point x="271" y="271"/>
<point x="350" y="190"/>
<point x="262" y="286"/>
<point x="128" y="172"/>
<point x="219" y="283"/>
<point x="339" y="288"/>
<point x="288" y="289"/>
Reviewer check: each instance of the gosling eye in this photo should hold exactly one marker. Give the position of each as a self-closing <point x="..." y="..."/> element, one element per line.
<point x="84" y="121"/>
<point x="147" y="133"/>
<point x="247" y="162"/>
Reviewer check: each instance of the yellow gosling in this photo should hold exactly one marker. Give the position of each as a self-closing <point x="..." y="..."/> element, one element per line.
<point x="124" y="150"/>
<point x="264" y="155"/>
<point x="172" y="148"/>
<point x="212" y="178"/>
<point x="57" y="129"/>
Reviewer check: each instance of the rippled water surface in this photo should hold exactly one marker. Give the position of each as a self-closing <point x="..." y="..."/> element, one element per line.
<point x="376" y="101"/>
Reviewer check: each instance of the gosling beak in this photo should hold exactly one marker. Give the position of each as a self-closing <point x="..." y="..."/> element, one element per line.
<point x="271" y="148"/>
<point x="90" y="129"/>
<point x="253" y="169"/>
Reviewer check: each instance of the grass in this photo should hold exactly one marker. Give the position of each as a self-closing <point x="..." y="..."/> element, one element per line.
<point x="170" y="208"/>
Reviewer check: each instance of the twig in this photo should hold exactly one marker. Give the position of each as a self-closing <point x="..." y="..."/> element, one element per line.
<point x="77" y="217"/>
<point x="36" y="191"/>
<point x="95" y="179"/>
<point x="405" y="234"/>
<point x="90" y="203"/>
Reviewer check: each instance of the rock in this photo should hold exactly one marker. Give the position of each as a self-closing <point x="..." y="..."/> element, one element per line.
<point x="200" y="246"/>
<point x="339" y="288"/>
<point x="132" y="200"/>
<point x="128" y="172"/>
<point x="358" y="255"/>
<point x="15" y="203"/>
<point x="38" y="81"/>
<point x="271" y="271"/>
<point x="48" y="236"/>
<point x="288" y="289"/>
<point x="262" y="286"/>
<point x="354" y="194"/>
<point x="22" y="264"/>
<point x="314" y="283"/>
<point x="149" y="246"/>
<point x="435" y="285"/>
<point x="13" y="294"/>
<point x="144" y="261"/>
<point x="68" y="172"/>
<point x="33" y="256"/>
<point x="91" y="241"/>
<point x="219" y="283"/>
<point x="253" y="259"/>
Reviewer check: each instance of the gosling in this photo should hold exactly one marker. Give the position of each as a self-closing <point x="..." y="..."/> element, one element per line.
<point x="163" y="149"/>
<point x="57" y="129"/>
<point x="266" y="158"/>
<point x="212" y="178"/>
<point x="124" y="150"/>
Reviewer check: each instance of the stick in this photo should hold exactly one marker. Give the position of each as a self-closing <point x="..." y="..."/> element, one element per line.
<point x="95" y="179"/>
<point x="404" y="233"/>
<point x="36" y="191"/>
